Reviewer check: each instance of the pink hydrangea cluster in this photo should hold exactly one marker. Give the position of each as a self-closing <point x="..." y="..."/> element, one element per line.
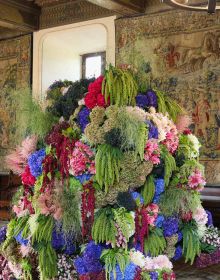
<point x="152" y="210"/>
<point x="82" y="160"/>
<point x="171" y="141"/>
<point x="196" y="181"/>
<point x="152" y="151"/>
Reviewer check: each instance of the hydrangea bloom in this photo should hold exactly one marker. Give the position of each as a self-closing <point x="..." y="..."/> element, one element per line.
<point x="35" y="162"/>
<point x="21" y="240"/>
<point x="196" y="180"/>
<point x="129" y="273"/>
<point x="148" y="99"/>
<point x="3" y="234"/>
<point x="137" y="197"/>
<point x="178" y="253"/>
<point x="159" y="221"/>
<point x="159" y="189"/>
<point x="82" y="160"/>
<point x="170" y="226"/>
<point x="83" y="118"/>
<point x="152" y="152"/>
<point x="152" y="130"/>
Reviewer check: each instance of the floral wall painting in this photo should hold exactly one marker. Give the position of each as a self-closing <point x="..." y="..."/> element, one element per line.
<point x="181" y="55"/>
<point x="15" y="72"/>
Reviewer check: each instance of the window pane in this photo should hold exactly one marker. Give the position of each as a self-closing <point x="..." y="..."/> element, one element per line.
<point x="93" y="66"/>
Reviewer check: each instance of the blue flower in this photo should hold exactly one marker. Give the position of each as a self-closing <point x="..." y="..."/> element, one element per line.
<point x="58" y="241"/>
<point x="159" y="221"/>
<point x="178" y="253"/>
<point x="21" y="240"/>
<point x="152" y="130"/>
<point x="153" y="275"/>
<point x="152" y="98"/>
<point x="210" y="220"/>
<point x="90" y="260"/>
<point x="83" y="178"/>
<point x="170" y="226"/>
<point x="180" y="236"/>
<point x="129" y="273"/>
<point x="3" y="231"/>
<point x="147" y="99"/>
<point x="159" y="189"/>
<point x="137" y="197"/>
<point x="35" y="162"/>
<point x="83" y="118"/>
<point x="70" y="248"/>
<point x="80" y="266"/>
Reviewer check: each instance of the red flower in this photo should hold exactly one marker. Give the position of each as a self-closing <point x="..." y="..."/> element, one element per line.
<point x="27" y="178"/>
<point x="187" y="131"/>
<point x="96" y="86"/>
<point x="101" y="100"/>
<point x="90" y="100"/>
<point x="187" y="216"/>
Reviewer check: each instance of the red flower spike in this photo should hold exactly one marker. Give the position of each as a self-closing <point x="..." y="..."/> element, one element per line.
<point x="87" y="209"/>
<point x="141" y="226"/>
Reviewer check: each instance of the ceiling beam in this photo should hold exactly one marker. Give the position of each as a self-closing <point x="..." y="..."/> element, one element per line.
<point x="18" y="16"/>
<point x="122" y="7"/>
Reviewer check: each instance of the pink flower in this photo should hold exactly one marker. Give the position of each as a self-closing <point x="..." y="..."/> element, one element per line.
<point x="162" y="262"/>
<point x="200" y="216"/>
<point x="82" y="160"/>
<point x="183" y="122"/>
<point x="49" y="205"/>
<point x="152" y="210"/>
<point x="171" y="141"/>
<point x="152" y="151"/>
<point x="27" y="178"/>
<point x="196" y="181"/>
<point x="23" y="208"/>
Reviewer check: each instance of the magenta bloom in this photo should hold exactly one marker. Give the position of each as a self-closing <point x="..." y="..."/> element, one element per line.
<point x="196" y="181"/>
<point x="152" y="151"/>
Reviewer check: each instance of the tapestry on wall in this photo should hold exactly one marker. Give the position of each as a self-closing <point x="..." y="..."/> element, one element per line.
<point x="15" y="69"/>
<point x="181" y="55"/>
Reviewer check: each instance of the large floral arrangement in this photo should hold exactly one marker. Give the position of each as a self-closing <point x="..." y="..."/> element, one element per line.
<point x="113" y="192"/>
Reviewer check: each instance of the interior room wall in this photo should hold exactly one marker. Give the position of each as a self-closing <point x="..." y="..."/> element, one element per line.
<point x="57" y="51"/>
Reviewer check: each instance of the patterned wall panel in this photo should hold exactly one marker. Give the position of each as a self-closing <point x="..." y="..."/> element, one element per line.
<point x="179" y="52"/>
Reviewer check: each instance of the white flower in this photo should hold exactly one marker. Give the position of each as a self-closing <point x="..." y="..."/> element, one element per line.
<point x="200" y="216"/>
<point x="162" y="262"/>
<point x="196" y="145"/>
<point x="81" y="102"/>
<point x="137" y="258"/>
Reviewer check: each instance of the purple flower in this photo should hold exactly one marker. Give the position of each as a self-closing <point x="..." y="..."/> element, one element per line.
<point x="148" y="99"/>
<point x="153" y="275"/>
<point x="58" y="241"/>
<point x="3" y="231"/>
<point x="35" y="162"/>
<point x="83" y="118"/>
<point x="152" y="98"/>
<point x="152" y="131"/>
<point x="170" y="226"/>
<point x="80" y="266"/>
<point x="180" y="236"/>
<point x="178" y="253"/>
<point x="142" y="101"/>
<point x="210" y="220"/>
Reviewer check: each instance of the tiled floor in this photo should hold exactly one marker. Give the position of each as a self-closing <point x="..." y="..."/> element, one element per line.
<point x="187" y="272"/>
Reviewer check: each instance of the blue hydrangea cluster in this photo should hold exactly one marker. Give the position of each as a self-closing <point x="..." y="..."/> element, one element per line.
<point x="170" y="226"/>
<point x="137" y="197"/>
<point x="62" y="243"/>
<point x="180" y="236"/>
<point x="152" y="130"/>
<point x="129" y="273"/>
<point x="35" y="162"/>
<point x="83" y="118"/>
<point x="83" y="178"/>
<point x="90" y="260"/>
<point x="148" y="99"/>
<point x="153" y="275"/>
<point x="159" y="189"/>
<point x="21" y="240"/>
<point x="178" y="253"/>
<point x="3" y="234"/>
<point x="159" y="221"/>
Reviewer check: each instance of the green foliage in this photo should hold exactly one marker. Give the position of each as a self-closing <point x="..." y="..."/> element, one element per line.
<point x="133" y="132"/>
<point x="175" y="200"/>
<point x="148" y="190"/>
<point x="112" y="257"/>
<point x="119" y="87"/>
<point x="41" y="240"/>
<point x="21" y="224"/>
<point x="30" y="118"/>
<point x="107" y="162"/>
<point x="155" y="243"/>
<point x="26" y="269"/>
<point x="185" y="146"/>
<point x="103" y="228"/>
<point x="191" y="242"/>
<point x="10" y="234"/>
<point x="207" y="248"/>
<point x="169" y="162"/>
<point x="168" y="105"/>
<point x="69" y="199"/>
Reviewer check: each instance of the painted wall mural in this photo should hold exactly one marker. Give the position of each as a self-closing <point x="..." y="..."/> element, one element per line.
<point x="15" y="72"/>
<point x="180" y="54"/>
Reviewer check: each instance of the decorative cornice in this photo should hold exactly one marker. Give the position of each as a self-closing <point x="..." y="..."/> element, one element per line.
<point x="71" y="12"/>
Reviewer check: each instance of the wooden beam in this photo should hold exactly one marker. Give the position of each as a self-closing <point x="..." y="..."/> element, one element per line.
<point x="122" y="7"/>
<point x="17" y="16"/>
